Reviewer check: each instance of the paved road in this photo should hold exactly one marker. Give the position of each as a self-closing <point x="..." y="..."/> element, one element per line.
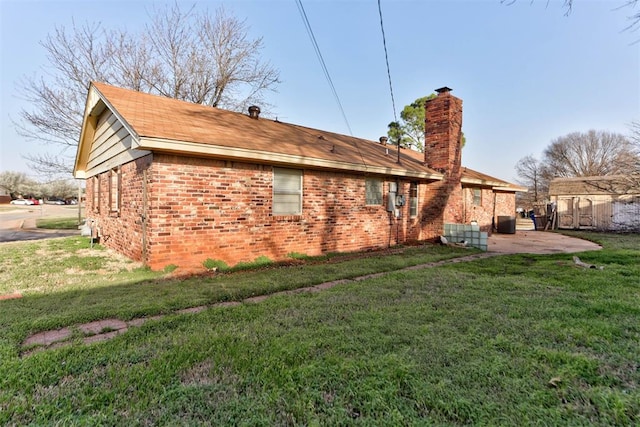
<point x="18" y="223"/>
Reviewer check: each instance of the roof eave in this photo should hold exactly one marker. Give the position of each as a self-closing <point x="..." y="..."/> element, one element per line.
<point x="86" y="133"/>
<point x="485" y="183"/>
<point x="235" y="153"/>
<point x="495" y="185"/>
<point x="512" y="189"/>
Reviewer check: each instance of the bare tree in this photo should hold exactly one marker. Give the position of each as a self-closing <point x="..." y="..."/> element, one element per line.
<point x="180" y="54"/>
<point x="634" y="19"/>
<point x="634" y="137"/>
<point x="595" y="153"/>
<point x="531" y="173"/>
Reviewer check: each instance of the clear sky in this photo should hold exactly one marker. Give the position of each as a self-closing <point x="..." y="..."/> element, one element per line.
<point x="526" y="73"/>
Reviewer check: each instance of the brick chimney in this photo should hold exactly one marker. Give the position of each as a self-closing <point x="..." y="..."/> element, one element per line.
<point x="443" y="132"/>
<point x="442" y="152"/>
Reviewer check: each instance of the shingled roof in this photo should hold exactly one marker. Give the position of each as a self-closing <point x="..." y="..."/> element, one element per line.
<point x="592" y="185"/>
<point x="162" y="124"/>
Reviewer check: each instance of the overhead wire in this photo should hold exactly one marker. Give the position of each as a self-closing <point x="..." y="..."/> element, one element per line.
<point x="386" y="58"/>
<point x="303" y="14"/>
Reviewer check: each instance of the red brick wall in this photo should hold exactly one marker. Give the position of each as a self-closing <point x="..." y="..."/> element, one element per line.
<point x="493" y="204"/>
<point x="505" y="204"/>
<point x="120" y="230"/>
<point x="406" y="229"/>
<point x="221" y="210"/>
<point x="204" y="208"/>
<point x="481" y="213"/>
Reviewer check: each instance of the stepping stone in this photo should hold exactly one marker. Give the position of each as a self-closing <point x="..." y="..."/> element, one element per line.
<point x="103" y="337"/>
<point x="100" y="325"/>
<point x="48" y="337"/>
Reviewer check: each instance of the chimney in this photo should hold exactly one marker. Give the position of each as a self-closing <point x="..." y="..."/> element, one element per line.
<point x="443" y="133"/>
<point x="383" y="140"/>
<point x="254" y="112"/>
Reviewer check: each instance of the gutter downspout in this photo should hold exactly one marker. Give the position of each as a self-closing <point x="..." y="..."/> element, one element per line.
<point x="144" y="216"/>
<point x="493" y="217"/>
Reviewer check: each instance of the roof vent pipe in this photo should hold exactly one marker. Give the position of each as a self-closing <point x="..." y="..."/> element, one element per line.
<point x="383" y="140"/>
<point x="254" y="112"/>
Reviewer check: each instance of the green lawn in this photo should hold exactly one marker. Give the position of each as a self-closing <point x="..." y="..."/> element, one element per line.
<point x="510" y="340"/>
<point x="58" y="223"/>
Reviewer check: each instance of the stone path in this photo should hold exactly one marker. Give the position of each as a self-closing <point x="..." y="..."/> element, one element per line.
<point x="102" y="330"/>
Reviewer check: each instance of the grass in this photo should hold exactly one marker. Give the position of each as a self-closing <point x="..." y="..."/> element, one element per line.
<point x="510" y="340"/>
<point x="57" y="223"/>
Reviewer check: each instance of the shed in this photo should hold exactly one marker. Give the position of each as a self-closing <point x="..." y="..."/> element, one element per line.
<point x="597" y="202"/>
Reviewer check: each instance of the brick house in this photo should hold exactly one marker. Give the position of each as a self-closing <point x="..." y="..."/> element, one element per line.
<point x="171" y="182"/>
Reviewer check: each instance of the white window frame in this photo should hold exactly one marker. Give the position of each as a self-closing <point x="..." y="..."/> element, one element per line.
<point x="115" y="189"/>
<point x="282" y="194"/>
<point x="413" y="199"/>
<point x="96" y="193"/>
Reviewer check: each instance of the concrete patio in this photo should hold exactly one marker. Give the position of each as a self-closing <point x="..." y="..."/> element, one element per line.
<point x="538" y="242"/>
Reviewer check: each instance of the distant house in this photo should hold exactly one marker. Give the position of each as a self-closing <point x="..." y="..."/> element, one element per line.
<point x="597" y="202"/>
<point x="5" y="197"/>
<point x="170" y="182"/>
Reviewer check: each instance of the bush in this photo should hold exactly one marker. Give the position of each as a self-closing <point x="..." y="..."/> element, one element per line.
<point x="215" y="265"/>
<point x="169" y="268"/>
<point x="297" y="255"/>
<point x="261" y="261"/>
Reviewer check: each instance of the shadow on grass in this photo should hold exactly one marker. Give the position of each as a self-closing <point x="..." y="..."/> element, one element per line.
<point x="139" y="295"/>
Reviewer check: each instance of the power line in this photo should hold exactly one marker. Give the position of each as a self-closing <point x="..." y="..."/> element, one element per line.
<point x="303" y="14"/>
<point x="386" y="57"/>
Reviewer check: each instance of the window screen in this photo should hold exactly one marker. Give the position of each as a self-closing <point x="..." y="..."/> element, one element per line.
<point x="287" y="191"/>
<point x="413" y="199"/>
<point x="96" y="193"/>
<point x="114" y="189"/>
<point x="373" y="188"/>
<point x="477" y="196"/>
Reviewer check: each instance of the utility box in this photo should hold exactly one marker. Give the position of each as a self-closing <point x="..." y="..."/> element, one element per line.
<point x="507" y="224"/>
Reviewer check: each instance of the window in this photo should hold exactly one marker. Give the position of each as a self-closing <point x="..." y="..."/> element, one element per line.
<point x="96" y="193"/>
<point x="477" y="196"/>
<point x="373" y="190"/>
<point x="413" y="199"/>
<point x="115" y="189"/>
<point x="287" y="191"/>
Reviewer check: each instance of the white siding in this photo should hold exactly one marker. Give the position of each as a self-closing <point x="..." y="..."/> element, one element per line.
<point x="111" y="146"/>
<point x="626" y="214"/>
